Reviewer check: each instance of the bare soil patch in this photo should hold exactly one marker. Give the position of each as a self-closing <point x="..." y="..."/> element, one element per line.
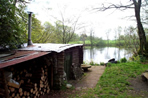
<point x="140" y="88"/>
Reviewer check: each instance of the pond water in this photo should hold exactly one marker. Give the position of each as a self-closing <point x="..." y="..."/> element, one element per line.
<point x="103" y="54"/>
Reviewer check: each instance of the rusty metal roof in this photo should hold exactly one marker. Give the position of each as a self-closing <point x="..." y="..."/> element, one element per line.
<point x="31" y="52"/>
<point x="50" y="47"/>
<point x="18" y="57"/>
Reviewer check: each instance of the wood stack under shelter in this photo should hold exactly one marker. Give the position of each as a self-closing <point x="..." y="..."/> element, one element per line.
<point x="32" y="76"/>
<point x="37" y="72"/>
<point x="33" y="82"/>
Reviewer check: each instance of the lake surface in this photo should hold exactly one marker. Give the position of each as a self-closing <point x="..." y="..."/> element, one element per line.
<point x="103" y="54"/>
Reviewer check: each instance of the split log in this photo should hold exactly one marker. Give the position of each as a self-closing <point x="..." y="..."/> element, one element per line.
<point x="13" y="85"/>
<point x="21" y="94"/>
<point x="20" y="90"/>
<point x="35" y="84"/>
<point x="48" y="91"/>
<point x="12" y="89"/>
<point x="28" y="94"/>
<point x="13" y="95"/>
<point x="25" y="93"/>
<point x="31" y="90"/>
<point x="41" y="85"/>
<point x="34" y="92"/>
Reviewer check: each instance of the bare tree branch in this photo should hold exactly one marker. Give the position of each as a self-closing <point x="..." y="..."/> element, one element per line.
<point x="114" y="6"/>
<point x="136" y="5"/>
<point x="68" y="26"/>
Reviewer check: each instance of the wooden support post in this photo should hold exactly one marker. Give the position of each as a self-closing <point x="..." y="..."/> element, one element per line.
<point x="5" y="83"/>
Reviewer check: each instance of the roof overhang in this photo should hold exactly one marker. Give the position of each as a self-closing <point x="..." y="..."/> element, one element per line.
<point x="19" y="57"/>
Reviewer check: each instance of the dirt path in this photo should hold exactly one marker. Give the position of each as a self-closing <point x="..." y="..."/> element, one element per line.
<point x="89" y="80"/>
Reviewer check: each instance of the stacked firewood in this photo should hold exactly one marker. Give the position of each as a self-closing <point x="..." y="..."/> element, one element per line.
<point x="33" y="82"/>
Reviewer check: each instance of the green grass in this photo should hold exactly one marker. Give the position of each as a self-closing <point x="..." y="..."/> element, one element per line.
<point x="110" y="41"/>
<point x="76" y="42"/>
<point x="114" y="81"/>
<point x="80" y="42"/>
<point x="87" y="42"/>
<point x="98" y="42"/>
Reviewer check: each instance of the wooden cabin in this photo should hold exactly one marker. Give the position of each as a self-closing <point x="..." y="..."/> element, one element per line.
<point x="39" y="68"/>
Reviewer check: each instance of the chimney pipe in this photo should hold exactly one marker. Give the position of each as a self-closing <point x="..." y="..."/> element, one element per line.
<point x="29" y="29"/>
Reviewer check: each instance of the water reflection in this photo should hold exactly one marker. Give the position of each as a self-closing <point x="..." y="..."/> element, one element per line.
<point x="103" y="54"/>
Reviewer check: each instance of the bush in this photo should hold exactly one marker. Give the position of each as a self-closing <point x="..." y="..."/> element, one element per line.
<point x="92" y="62"/>
<point x="139" y="58"/>
<point x="118" y="61"/>
<point x="142" y="58"/>
<point x="84" y="62"/>
<point x="135" y="58"/>
<point x="109" y="64"/>
<point x="123" y="60"/>
<point x="102" y="63"/>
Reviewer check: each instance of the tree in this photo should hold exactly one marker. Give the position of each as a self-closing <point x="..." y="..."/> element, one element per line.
<point x="136" y="4"/>
<point x="83" y="36"/>
<point x="107" y="36"/>
<point x="11" y="32"/>
<point x="37" y="30"/>
<point x="115" y="36"/>
<point x="75" y="38"/>
<point x="67" y="25"/>
<point x="91" y="37"/>
<point x="65" y="33"/>
<point x="48" y="34"/>
<point x="145" y="21"/>
<point x="131" y="39"/>
<point x="119" y="30"/>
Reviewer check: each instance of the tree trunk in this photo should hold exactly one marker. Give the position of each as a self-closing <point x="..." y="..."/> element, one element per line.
<point x="141" y="31"/>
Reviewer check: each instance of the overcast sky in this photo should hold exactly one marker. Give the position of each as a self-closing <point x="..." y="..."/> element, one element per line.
<point x="100" y="22"/>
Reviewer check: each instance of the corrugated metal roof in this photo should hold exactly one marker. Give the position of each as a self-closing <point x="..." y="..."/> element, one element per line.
<point x="50" y="47"/>
<point x="19" y="56"/>
<point x="31" y="52"/>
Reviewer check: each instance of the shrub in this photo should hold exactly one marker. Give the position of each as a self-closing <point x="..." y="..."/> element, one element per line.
<point x="139" y="58"/>
<point x="118" y="61"/>
<point x="109" y="64"/>
<point x="102" y="63"/>
<point x="84" y="62"/>
<point x="135" y="58"/>
<point x="142" y="58"/>
<point x="92" y="62"/>
<point x="123" y="60"/>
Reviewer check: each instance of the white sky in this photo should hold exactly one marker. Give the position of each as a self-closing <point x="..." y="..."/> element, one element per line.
<point x="100" y="22"/>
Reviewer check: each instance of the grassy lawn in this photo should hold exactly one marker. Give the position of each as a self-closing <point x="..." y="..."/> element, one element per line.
<point x="76" y="42"/>
<point x="97" y="42"/>
<point x="80" y="42"/>
<point x="114" y="83"/>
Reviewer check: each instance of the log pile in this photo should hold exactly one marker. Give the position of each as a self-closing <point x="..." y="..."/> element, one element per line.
<point x="33" y="82"/>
